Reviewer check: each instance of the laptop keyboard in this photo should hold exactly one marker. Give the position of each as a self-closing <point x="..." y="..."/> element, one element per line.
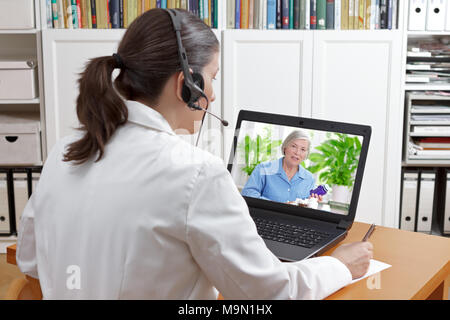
<point x="288" y="233"/>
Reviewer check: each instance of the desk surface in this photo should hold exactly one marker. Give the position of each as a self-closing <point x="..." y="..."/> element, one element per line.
<point x="420" y="265"/>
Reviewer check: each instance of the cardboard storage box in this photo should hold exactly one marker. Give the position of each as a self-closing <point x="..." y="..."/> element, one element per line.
<point x="18" y="79"/>
<point x="17" y="14"/>
<point x="20" y="139"/>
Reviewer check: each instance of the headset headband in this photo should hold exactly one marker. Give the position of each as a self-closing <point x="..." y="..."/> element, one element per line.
<point x="196" y="92"/>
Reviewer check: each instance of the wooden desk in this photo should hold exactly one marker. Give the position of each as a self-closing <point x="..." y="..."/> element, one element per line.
<point x="420" y="265"/>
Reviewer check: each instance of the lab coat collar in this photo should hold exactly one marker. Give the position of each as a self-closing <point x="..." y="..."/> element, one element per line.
<point x="148" y="117"/>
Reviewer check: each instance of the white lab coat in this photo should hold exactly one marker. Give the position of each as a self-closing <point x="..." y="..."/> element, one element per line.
<point x="156" y="218"/>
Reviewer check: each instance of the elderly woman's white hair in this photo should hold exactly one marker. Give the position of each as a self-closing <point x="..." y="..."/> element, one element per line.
<point x="294" y="135"/>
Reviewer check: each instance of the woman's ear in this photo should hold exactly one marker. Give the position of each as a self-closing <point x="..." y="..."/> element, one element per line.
<point x="179" y="81"/>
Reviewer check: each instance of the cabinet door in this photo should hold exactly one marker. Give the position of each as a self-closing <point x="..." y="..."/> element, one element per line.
<point x="357" y="79"/>
<point x="65" y="54"/>
<point x="268" y="71"/>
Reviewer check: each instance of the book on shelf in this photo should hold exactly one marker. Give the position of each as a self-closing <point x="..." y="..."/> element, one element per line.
<point x="330" y="23"/>
<point x="321" y="13"/>
<point x="315" y="14"/>
<point x="285" y="14"/>
<point x="434" y="143"/>
<point x="337" y="14"/>
<point x="429" y="148"/>
<point x="113" y="14"/>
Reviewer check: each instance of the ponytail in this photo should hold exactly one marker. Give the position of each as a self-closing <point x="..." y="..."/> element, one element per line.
<point x="100" y="110"/>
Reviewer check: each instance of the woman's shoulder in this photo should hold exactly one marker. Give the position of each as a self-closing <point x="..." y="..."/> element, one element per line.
<point x="191" y="155"/>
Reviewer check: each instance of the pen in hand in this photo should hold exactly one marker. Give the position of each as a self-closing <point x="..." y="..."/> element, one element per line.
<point x="369" y="233"/>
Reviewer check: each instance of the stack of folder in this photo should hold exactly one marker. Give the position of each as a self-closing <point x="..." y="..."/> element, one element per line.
<point x="428" y="61"/>
<point x="424" y="207"/>
<point x="16" y="186"/>
<point x="429" y="15"/>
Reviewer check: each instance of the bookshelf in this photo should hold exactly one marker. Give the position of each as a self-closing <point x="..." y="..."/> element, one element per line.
<point x="24" y="44"/>
<point x="412" y="92"/>
<point x="419" y="100"/>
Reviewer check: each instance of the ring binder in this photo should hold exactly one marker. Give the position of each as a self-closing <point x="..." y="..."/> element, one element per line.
<point x="408" y="203"/>
<point x="446" y="215"/>
<point x="426" y="201"/>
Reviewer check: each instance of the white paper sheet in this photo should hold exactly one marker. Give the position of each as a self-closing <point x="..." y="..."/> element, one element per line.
<point x="374" y="267"/>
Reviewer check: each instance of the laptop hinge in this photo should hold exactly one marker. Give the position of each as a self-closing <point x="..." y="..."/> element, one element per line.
<point x="344" y="224"/>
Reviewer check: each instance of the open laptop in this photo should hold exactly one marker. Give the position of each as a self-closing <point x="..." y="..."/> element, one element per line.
<point x="293" y="220"/>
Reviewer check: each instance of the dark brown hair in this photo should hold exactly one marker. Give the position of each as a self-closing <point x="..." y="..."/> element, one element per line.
<point x="149" y="56"/>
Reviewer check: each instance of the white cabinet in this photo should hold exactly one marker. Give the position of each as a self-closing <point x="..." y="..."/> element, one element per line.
<point x="66" y="54"/>
<point x="357" y="79"/>
<point x="267" y="71"/>
<point x="348" y="76"/>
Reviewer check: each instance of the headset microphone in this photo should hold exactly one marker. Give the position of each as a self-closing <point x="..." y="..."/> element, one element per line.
<point x="196" y="107"/>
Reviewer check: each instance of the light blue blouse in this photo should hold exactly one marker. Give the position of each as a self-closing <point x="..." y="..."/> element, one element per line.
<point x="269" y="181"/>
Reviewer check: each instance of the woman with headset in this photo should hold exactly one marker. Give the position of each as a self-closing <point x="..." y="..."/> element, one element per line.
<point x="117" y="214"/>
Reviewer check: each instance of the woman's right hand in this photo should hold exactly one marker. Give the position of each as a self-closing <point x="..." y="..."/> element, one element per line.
<point x="356" y="256"/>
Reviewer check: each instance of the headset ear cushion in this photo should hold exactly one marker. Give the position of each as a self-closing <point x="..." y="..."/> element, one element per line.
<point x="186" y="92"/>
<point x="198" y="80"/>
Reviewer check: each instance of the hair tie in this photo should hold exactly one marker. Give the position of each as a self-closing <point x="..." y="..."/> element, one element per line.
<point x="119" y="62"/>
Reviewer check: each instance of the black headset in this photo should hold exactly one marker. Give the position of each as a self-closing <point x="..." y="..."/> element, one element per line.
<point x="193" y="84"/>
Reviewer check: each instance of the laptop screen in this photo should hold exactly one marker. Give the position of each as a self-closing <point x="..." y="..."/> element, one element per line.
<point x="296" y="166"/>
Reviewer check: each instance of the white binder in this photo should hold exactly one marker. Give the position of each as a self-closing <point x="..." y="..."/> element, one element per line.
<point x="409" y="196"/>
<point x="436" y="15"/>
<point x="20" y="195"/>
<point x="426" y="200"/>
<point x="417" y="15"/>
<point x="446" y="222"/>
<point x="447" y="17"/>
<point x="4" y="210"/>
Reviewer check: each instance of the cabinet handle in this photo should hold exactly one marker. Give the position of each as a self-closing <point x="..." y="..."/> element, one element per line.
<point x="11" y="138"/>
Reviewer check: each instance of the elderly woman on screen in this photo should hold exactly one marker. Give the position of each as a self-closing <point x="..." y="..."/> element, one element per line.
<point x="283" y="180"/>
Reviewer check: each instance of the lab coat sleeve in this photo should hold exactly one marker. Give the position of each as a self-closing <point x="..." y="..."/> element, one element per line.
<point x="224" y="242"/>
<point x="253" y="187"/>
<point x="26" y="242"/>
